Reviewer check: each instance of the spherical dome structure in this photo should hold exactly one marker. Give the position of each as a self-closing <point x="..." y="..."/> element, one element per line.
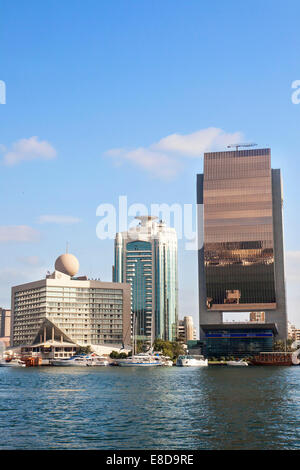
<point x="67" y="264"/>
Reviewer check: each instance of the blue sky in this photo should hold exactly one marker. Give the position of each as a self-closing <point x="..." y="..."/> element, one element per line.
<point x="85" y="77"/>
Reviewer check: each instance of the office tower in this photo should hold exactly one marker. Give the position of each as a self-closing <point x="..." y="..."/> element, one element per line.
<point x="84" y="311"/>
<point x="240" y="233"/>
<point x="186" y="330"/>
<point x="146" y="258"/>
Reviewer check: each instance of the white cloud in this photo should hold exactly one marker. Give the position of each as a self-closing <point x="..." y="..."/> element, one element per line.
<point x="58" y="219"/>
<point x="165" y="158"/>
<point x="156" y="163"/>
<point x="195" y="144"/>
<point x="18" y="233"/>
<point x="29" y="149"/>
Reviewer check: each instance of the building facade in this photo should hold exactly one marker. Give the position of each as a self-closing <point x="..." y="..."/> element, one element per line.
<point x="146" y="258"/>
<point x="5" y="315"/>
<point x="293" y="332"/>
<point x="240" y="235"/>
<point x="238" y="340"/>
<point x="186" y="330"/>
<point x="87" y="312"/>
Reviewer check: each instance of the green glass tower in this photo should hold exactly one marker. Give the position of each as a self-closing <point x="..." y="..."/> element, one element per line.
<point x="146" y="258"/>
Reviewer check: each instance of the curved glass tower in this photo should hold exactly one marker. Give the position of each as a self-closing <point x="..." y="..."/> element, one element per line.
<point x="146" y="258"/>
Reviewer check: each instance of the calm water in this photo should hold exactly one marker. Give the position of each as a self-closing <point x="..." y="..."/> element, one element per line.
<point x="159" y="408"/>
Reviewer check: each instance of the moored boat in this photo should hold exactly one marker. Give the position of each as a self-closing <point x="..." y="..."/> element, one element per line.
<point x="272" y="359"/>
<point x="139" y="360"/>
<point x="191" y="361"/>
<point x="91" y="360"/>
<point x="240" y="363"/>
<point x="12" y="363"/>
<point x="74" y="361"/>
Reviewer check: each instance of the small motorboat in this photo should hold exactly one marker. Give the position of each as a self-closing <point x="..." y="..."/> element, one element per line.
<point x="240" y="363"/>
<point x="12" y="363"/>
<point x="97" y="361"/>
<point x="166" y="361"/>
<point x="191" y="361"/>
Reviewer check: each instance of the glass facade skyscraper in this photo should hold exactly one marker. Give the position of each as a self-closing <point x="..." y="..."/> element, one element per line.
<point x="146" y="258"/>
<point x="241" y="241"/>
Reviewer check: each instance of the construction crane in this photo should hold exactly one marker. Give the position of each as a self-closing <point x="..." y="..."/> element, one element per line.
<point x="241" y="145"/>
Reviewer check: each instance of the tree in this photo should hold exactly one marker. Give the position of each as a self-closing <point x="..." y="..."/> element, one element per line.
<point x="173" y="349"/>
<point x="141" y="346"/>
<point x="116" y="355"/>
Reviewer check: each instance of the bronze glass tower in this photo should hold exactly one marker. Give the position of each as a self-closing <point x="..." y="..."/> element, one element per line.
<point x="240" y="232"/>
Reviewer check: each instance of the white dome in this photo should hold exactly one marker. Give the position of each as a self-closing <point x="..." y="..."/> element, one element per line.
<point x="67" y="264"/>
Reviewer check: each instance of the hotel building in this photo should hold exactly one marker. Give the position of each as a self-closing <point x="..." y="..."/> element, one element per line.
<point x="78" y="310"/>
<point x="146" y="258"/>
<point x="240" y="251"/>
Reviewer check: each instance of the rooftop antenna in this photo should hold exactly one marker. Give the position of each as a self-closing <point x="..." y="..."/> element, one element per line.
<point x="67" y="247"/>
<point x="251" y="144"/>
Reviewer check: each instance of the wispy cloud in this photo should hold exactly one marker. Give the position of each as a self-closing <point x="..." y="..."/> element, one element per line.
<point x="29" y="149"/>
<point x="165" y="158"/>
<point x="58" y="219"/>
<point x="18" y="233"/>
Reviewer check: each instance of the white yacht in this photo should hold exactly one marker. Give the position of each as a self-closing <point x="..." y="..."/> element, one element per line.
<point x="240" y="363"/>
<point x="81" y="361"/>
<point x="191" y="361"/>
<point x="139" y="360"/>
<point x="73" y="361"/>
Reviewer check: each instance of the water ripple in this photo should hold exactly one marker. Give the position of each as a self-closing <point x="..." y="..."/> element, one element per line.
<point x="163" y="408"/>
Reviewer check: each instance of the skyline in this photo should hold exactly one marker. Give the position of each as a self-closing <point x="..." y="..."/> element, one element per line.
<point x="111" y="100"/>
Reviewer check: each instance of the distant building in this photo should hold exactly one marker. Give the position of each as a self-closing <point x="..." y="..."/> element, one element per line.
<point x="5" y="315"/>
<point x="146" y="258"/>
<point x="293" y="332"/>
<point x="63" y="308"/>
<point x="240" y="235"/>
<point x="186" y="330"/>
<point x="258" y="317"/>
<point x="291" y="329"/>
<point x="296" y="334"/>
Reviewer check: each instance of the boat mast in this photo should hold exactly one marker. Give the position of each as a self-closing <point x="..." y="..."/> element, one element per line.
<point x="134" y="333"/>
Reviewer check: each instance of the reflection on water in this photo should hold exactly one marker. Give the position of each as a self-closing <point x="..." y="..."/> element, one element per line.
<point x="157" y="408"/>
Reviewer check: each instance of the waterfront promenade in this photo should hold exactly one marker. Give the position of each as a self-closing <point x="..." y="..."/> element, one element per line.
<point x="161" y="408"/>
